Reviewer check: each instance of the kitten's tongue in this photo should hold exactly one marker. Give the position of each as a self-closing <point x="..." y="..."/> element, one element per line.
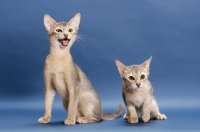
<point x="65" y="42"/>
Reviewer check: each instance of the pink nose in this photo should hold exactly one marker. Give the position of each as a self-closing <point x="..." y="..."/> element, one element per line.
<point x="66" y="35"/>
<point x="138" y="84"/>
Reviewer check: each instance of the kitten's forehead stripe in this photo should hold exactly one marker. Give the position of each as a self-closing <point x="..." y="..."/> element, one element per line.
<point x="62" y="24"/>
<point x="135" y="68"/>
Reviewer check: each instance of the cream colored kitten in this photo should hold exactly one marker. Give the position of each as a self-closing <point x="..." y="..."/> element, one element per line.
<point x="62" y="75"/>
<point x="138" y="92"/>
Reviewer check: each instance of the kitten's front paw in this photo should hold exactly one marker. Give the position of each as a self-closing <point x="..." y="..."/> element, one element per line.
<point x="126" y="116"/>
<point x="145" y="118"/>
<point x="161" y="117"/>
<point x="133" y="120"/>
<point x="69" y="121"/>
<point x="44" y="120"/>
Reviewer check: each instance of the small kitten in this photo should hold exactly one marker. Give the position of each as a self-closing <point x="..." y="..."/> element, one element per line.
<point x="138" y="92"/>
<point x="62" y="75"/>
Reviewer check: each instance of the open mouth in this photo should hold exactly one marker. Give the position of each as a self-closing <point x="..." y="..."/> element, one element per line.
<point x="64" y="42"/>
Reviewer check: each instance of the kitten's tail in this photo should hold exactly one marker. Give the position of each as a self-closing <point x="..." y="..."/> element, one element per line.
<point x="113" y="115"/>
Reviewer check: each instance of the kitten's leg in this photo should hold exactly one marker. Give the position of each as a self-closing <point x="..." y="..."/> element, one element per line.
<point x="73" y="102"/>
<point x="65" y="104"/>
<point x="155" y="113"/>
<point x="132" y="116"/>
<point x="89" y="109"/>
<point x="146" y="108"/>
<point x="49" y="96"/>
<point x="126" y="116"/>
<point x="80" y="119"/>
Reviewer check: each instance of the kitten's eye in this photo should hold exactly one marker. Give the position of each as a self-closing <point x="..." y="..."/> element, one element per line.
<point x="70" y="30"/>
<point x="142" y="77"/>
<point x="131" y="78"/>
<point x="58" y="30"/>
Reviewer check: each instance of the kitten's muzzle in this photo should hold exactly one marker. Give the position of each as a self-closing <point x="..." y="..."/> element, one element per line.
<point x="65" y="41"/>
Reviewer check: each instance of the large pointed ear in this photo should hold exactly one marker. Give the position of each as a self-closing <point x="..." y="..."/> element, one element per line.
<point x="75" y="21"/>
<point x="146" y="64"/>
<point x="48" y="22"/>
<point x="121" y="67"/>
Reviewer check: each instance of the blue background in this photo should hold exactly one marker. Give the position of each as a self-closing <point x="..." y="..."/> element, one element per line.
<point x="129" y="30"/>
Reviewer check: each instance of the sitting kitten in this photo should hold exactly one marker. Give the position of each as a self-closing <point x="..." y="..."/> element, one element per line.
<point x="62" y="75"/>
<point x="138" y="92"/>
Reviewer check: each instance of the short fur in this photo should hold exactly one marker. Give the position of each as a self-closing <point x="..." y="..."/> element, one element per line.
<point x="138" y="92"/>
<point x="62" y="75"/>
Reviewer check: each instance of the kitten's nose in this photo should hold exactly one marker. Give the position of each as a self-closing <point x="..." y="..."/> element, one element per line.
<point x="66" y="35"/>
<point x="138" y="84"/>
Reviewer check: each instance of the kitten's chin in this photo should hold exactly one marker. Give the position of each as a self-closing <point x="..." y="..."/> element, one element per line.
<point x="133" y="88"/>
<point x="136" y="88"/>
<point x="64" y="42"/>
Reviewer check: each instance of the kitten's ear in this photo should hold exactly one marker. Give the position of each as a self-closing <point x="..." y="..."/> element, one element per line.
<point x="121" y="67"/>
<point x="146" y="64"/>
<point x="75" y="21"/>
<point x="48" y="22"/>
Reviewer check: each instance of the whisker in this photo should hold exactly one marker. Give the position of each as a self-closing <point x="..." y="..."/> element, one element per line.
<point x="79" y="38"/>
<point x="128" y="90"/>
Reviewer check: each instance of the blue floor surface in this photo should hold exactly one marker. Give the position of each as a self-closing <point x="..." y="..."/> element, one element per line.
<point x="25" y="119"/>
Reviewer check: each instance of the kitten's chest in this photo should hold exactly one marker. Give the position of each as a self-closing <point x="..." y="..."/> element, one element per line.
<point x="58" y="70"/>
<point x="59" y="83"/>
<point x="136" y="100"/>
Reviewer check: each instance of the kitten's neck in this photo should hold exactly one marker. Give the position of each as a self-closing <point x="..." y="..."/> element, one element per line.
<point x="59" y="53"/>
<point x="56" y="50"/>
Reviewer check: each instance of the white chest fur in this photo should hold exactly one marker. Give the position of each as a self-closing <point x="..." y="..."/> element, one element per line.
<point x="135" y="100"/>
<point x="137" y="97"/>
<point x="58" y="69"/>
<point x="59" y="83"/>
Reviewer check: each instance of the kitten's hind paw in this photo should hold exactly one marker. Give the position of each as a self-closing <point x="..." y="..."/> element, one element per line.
<point x="87" y="120"/>
<point x="81" y="120"/>
<point x="161" y="117"/>
<point x="126" y="116"/>
<point x="44" y="120"/>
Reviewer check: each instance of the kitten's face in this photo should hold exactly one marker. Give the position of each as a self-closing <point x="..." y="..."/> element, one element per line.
<point x="134" y="76"/>
<point x="62" y="34"/>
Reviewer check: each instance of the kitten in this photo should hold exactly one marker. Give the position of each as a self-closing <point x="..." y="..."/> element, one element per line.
<point x="138" y="92"/>
<point x="62" y="75"/>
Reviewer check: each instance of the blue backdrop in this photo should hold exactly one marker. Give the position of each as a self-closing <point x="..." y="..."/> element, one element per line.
<point x="129" y="30"/>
